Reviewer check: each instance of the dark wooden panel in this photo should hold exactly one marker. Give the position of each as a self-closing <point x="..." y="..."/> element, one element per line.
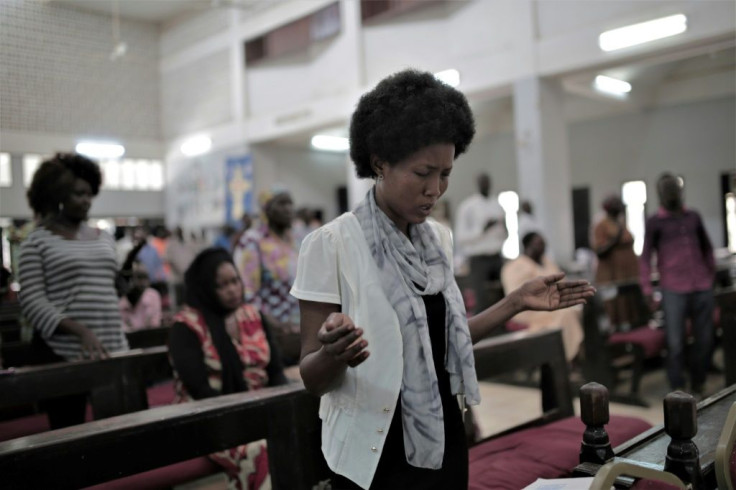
<point x="116" y="385"/>
<point x="525" y="350"/>
<point x="148" y="337"/>
<point x="726" y="299"/>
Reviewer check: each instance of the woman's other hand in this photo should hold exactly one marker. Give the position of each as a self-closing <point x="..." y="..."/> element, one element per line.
<point x="552" y="293"/>
<point x="91" y="346"/>
<point x="342" y="340"/>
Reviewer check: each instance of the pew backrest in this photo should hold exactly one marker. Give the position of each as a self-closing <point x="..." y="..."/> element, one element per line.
<point x="104" y="450"/>
<point x="148" y="337"/>
<point x="285" y="416"/>
<point x="116" y="385"/>
<point x="525" y="350"/>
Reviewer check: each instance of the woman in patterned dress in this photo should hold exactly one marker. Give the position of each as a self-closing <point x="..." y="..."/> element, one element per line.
<point x="266" y="257"/>
<point x="220" y="345"/>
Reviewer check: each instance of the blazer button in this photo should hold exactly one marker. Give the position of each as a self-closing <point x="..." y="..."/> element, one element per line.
<point x="374" y="449"/>
<point x="380" y="431"/>
<point x="386" y="409"/>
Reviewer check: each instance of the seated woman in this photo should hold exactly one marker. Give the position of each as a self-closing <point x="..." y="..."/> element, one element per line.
<point x="140" y="307"/>
<point x="219" y="345"/>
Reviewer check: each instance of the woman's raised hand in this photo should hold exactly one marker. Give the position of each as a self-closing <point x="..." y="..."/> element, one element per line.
<point x="342" y="340"/>
<point x="552" y="293"/>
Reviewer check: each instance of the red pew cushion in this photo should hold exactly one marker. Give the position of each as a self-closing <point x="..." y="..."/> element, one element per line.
<point x="652" y="340"/>
<point x="550" y="451"/>
<point x="161" y="394"/>
<point x="164" y="477"/>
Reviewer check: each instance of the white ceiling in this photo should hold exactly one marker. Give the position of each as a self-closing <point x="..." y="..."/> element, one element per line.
<point x="157" y="11"/>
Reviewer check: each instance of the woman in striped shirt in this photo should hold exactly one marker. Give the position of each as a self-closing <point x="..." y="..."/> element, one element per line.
<point x="67" y="274"/>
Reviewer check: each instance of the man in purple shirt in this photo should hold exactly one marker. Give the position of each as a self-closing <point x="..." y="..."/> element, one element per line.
<point x="686" y="271"/>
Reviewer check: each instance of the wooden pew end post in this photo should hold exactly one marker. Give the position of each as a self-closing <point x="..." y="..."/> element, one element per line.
<point x="596" y="446"/>
<point x="681" y="424"/>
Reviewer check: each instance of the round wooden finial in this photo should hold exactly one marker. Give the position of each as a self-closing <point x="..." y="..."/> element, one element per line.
<point x="594" y="404"/>
<point x="680" y="415"/>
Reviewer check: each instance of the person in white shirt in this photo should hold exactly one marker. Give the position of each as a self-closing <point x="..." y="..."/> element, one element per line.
<point x="480" y="233"/>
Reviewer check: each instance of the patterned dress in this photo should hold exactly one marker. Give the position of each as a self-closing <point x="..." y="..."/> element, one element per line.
<point x="267" y="265"/>
<point x="246" y="465"/>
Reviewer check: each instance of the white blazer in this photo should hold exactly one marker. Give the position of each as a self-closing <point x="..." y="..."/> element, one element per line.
<point x="336" y="266"/>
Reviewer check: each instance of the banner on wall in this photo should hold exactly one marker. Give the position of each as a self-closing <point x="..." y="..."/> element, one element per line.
<point x="238" y="188"/>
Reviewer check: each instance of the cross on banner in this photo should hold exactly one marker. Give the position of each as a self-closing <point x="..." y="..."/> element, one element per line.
<point x="239" y="178"/>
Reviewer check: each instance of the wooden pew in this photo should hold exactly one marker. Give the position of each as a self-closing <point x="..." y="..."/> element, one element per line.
<point x="285" y="416"/>
<point x="527" y="350"/>
<point x="650" y="448"/>
<point x="148" y="337"/>
<point x="103" y="450"/>
<point x="547" y="446"/>
<point x="10" y="324"/>
<point x="116" y="385"/>
<point x="726" y="301"/>
<point x="16" y="354"/>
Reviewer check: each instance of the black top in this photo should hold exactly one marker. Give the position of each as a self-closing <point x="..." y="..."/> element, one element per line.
<point x="393" y="471"/>
<point x="188" y="360"/>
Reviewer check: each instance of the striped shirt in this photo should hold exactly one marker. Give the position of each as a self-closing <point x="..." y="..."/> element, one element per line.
<point x="74" y="279"/>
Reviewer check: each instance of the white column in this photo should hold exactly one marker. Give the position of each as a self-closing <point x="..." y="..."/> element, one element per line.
<point x="543" y="160"/>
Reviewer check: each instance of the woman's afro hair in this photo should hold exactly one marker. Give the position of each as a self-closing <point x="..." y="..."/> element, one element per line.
<point x="54" y="180"/>
<point x="406" y="112"/>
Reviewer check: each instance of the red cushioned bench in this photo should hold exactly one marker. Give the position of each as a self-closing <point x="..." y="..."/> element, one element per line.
<point x="551" y="451"/>
<point x="546" y="447"/>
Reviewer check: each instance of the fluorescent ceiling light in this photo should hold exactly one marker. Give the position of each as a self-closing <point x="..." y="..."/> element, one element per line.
<point x="100" y="149"/>
<point x="644" y="32"/>
<point x="196" y="145"/>
<point x="450" y="77"/>
<point x="330" y="143"/>
<point x="612" y="86"/>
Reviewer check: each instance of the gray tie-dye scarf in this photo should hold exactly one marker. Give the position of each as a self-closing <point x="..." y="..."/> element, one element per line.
<point x="408" y="270"/>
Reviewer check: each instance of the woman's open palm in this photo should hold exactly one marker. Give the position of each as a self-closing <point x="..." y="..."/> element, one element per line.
<point x="552" y="293"/>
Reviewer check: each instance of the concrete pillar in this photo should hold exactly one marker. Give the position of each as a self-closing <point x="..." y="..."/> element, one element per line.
<point x="543" y="161"/>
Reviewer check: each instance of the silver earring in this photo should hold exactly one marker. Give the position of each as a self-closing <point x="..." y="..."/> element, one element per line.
<point x="380" y="176"/>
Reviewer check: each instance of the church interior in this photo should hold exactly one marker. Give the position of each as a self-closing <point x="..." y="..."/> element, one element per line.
<point x="208" y="121"/>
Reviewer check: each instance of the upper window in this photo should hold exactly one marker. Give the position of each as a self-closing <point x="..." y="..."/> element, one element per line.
<point x="31" y="163"/>
<point x="6" y="174"/>
<point x="133" y="175"/>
